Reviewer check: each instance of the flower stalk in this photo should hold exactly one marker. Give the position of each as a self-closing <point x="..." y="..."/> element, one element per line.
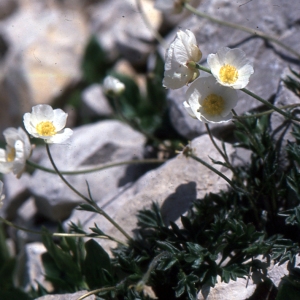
<point x="90" y="201"/>
<point x="99" y="168"/>
<point x="253" y="95"/>
<point x="243" y="28"/>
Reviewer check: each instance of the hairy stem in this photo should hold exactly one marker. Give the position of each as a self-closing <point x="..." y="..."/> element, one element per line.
<point x="253" y="95"/>
<point x="106" y="289"/>
<point x="243" y="28"/>
<point x="58" y="234"/>
<point x="100" y="211"/>
<point x="99" y="168"/>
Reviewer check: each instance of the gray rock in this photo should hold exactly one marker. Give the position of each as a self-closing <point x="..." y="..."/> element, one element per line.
<point x="121" y="29"/>
<point x="174" y="185"/>
<point x="94" y="102"/>
<point x="269" y="59"/>
<point x="90" y="145"/>
<point x="74" y="296"/>
<point x="276" y="272"/>
<point x="240" y="289"/>
<point x="7" y="7"/>
<point x="16" y="193"/>
<point x="48" y="44"/>
<point x="15" y="96"/>
<point x="30" y="267"/>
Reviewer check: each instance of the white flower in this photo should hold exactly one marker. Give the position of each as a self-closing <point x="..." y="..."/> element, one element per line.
<point x="45" y="123"/>
<point x="210" y="102"/>
<point x="169" y="6"/>
<point x="18" y="149"/>
<point x="230" y="67"/>
<point x="1" y="194"/>
<point x="180" y="61"/>
<point x="112" y="85"/>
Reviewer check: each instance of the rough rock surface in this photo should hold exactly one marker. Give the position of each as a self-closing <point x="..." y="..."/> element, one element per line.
<point x="270" y="17"/>
<point x="30" y="267"/>
<point x="45" y="46"/>
<point x="90" y="145"/>
<point x="94" y="102"/>
<point x="174" y="185"/>
<point x="121" y="29"/>
<point x="74" y="296"/>
<point x="240" y="289"/>
<point x="276" y="272"/>
<point x="16" y="192"/>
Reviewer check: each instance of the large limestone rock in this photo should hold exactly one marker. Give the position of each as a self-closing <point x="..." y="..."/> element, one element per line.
<point x="94" y="102"/>
<point x="240" y="289"/>
<point x="268" y="58"/>
<point x="16" y="193"/>
<point x="90" y="145"/>
<point x="174" y="185"/>
<point x="122" y="30"/>
<point x="74" y="296"/>
<point x="43" y="56"/>
<point x="30" y="267"/>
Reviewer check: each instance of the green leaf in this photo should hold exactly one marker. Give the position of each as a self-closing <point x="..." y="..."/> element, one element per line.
<point x="94" y="62"/>
<point x="6" y="274"/>
<point x="63" y="260"/>
<point x="96" y="263"/>
<point x="167" y="247"/>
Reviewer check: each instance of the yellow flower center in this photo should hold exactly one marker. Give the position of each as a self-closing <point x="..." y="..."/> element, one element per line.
<point x="11" y="155"/>
<point x="213" y="104"/>
<point x="228" y="74"/>
<point x="45" y="129"/>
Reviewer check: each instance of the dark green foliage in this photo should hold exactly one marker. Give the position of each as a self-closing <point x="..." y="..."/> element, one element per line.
<point x="97" y="264"/>
<point x="293" y="82"/>
<point x="94" y="62"/>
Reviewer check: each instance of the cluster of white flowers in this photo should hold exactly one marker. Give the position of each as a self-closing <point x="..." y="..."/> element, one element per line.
<point x="209" y="98"/>
<point x="43" y="122"/>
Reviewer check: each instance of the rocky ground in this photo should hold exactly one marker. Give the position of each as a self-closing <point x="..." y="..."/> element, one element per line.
<point x="42" y="44"/>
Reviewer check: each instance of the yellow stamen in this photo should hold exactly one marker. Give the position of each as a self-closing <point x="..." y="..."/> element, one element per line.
<point x="11" y="155"/>
<point x="213" y="105"/>
<point x="228" y="74"/>
<point x="45" y="129"/>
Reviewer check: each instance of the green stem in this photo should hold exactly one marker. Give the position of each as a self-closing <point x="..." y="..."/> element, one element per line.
<point x="267" y="112"/>
<point x="106" y="289"/>
<point x="228" y="164"/>
<point x="250" y="136"/>
<point x="100" y="168"/>
<point x="212" y="169"/>
<point x="243" y="28"/>
<point x="265" y="102"/>
<point x="151" y="267"/>
<point x="100" y="211"/>
<point x="60" y="234"/>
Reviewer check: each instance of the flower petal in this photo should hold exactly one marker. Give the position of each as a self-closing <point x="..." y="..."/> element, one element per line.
<point x="175" y="80"/>
<point x="59" y="119"/>
<point x="40" y="113"/>
<point x="60" y="136"/>
<point x="189" y="110"/>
